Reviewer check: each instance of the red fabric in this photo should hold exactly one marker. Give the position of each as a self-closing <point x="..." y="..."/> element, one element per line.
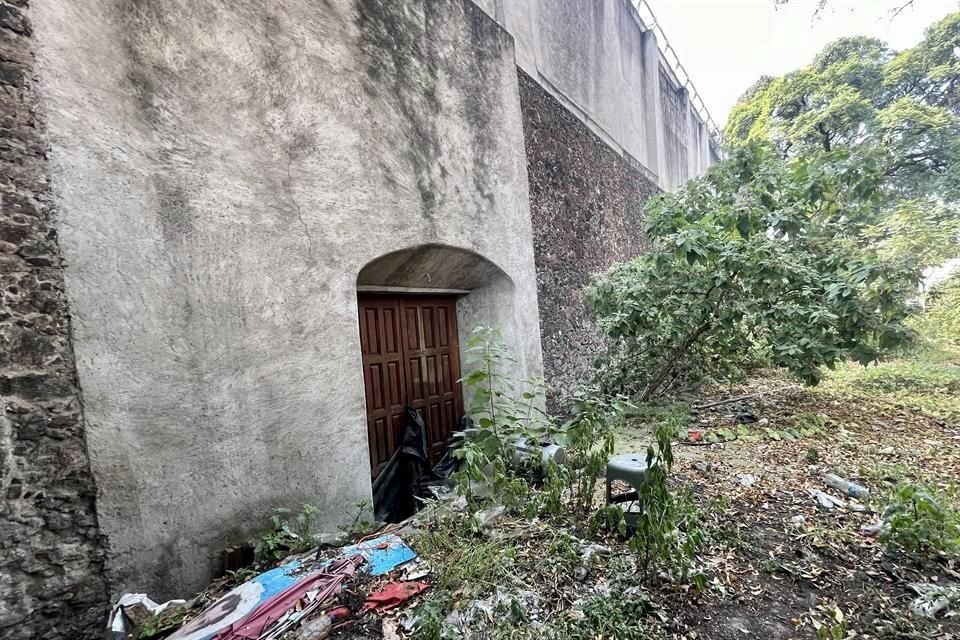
<point x="393" y="595"/>
<point x="327" y="582"/>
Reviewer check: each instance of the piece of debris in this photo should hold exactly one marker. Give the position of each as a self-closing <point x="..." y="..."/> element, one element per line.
<point x="488" y="517"/>
<point x="872" y="530"/>
<point x="389" y="629"/>
<point x="393" y="594"/>
<point x="797" y="520"/>
<point x="383" y="553"/>
<point x="239" y="602"/>
<point x="747" y="479"/>
<point x="842" y="485"/>
<point x="933" y="598"/>
<point x="325" y="582"/>
<point x="121" y="622"/>
<point x="827" y="501"/>
<point x="415" y="569"/>
<point x="320" y="628"/>
<point x="706" y="468"/>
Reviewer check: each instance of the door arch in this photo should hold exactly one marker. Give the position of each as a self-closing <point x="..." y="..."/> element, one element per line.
<point x="416" y="307"/>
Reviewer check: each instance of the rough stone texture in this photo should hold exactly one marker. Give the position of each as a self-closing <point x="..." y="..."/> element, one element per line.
<point x="223" y="170"/>
<point x="51" y="563"/>
<point x="586" y="201"/>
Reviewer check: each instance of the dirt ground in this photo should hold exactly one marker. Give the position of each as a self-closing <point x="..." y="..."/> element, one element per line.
<point x="795" y="561"/>
<point x="785" y="566"/>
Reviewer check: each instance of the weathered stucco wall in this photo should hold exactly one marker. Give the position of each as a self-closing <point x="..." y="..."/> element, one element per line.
<point x="51" y="562"/>
<point x="224" y="168"/>
<point x="586" y="201"/>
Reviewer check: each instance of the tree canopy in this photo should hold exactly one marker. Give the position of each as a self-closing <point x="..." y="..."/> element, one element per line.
<point x="901" y="107"/>
<point x="759" y="253"/>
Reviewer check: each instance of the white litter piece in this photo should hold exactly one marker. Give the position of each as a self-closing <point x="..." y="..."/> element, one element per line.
<point x="933" y="598"/>
<point x="118" y="622"/>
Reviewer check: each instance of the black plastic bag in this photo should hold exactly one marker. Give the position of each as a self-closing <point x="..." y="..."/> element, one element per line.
<point x="396" y="488"/>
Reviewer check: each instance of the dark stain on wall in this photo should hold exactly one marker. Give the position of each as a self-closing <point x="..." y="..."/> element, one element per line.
<point x="51" y="551"/>
<point x="487" y="40"/>
<point x="586" y="204"/>
<point x="402" y="70"/>
<point x="411" y="51"/>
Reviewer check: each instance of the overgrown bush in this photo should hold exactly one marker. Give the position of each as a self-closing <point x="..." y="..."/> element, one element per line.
<point x="589" y="438"/>
<point x="505" y="414"/>
<point x="920" y="522"/>
<point x="754" y="260"/>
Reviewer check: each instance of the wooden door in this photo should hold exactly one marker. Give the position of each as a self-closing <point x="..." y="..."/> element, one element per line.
<point x="411" y="357"/>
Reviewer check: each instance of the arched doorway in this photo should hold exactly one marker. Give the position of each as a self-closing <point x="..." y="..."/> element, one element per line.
<point x="416" y="307"/>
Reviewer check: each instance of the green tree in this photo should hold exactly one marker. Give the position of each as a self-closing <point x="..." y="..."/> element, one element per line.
<point x="941" y="318"/>
<point x="902" y="108"/>
<point x="760" y="251"/>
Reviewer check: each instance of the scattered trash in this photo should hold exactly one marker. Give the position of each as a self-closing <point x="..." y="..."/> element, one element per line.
<point x="872" y="530"/>
<point x="797" y="520"/>
<point x="393" y="595"/>
<point x="706" y="468"/>
<point x="746" y="418"/>
<point x="239" y="602"/>
<point x="485" y="519"/>
<point x="480" y="616"/>
<point x="587" y="552"/>
<point x="747" y="479"/>
<point x="852" y="489"/>
<point x="524" y="452"/>
<point x="320" y="628"/>
<point x="325" y="582"/>
<point x="396" y="487"/>
<point x="415" y="569"/>
<point x="388" y="630"/>
<point x="120" y="623"/>
<point x="933" y="598"/>
<point x="694" y="435"/>
<point x="383" y="553"/>
<point x="763" y="422"/>
<point x="827" y="501"/>
<point x="336" y="539"/>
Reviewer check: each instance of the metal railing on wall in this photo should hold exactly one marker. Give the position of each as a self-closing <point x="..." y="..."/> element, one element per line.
<point x="649" y="21"/>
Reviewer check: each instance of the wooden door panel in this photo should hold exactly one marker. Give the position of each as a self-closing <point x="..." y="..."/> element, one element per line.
<point x="382" y="378"/>
<point x="411" y="357"/>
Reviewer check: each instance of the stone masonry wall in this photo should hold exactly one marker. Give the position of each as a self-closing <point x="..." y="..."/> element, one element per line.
<point x="51" y="562"/>
<point x="586" y="202"/>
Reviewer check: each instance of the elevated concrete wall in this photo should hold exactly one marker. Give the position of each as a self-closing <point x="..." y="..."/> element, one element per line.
<point x="602" y="64"/>
<point x="223" y="169"/>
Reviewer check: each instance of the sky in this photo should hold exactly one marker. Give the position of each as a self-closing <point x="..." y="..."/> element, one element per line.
<point x="725" y="45"/>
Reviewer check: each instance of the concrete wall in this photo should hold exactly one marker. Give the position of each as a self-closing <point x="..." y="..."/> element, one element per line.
<point x="598" y="60"/>
<point x="51" y="559"/>
<point x="223" y="169"/>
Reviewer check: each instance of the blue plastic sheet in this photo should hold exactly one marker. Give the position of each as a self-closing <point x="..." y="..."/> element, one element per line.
<point x="383" y="553"/>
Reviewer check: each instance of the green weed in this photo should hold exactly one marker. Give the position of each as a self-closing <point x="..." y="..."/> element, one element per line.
<point x="287" y="535"/>
<point x="921" y="522"/>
